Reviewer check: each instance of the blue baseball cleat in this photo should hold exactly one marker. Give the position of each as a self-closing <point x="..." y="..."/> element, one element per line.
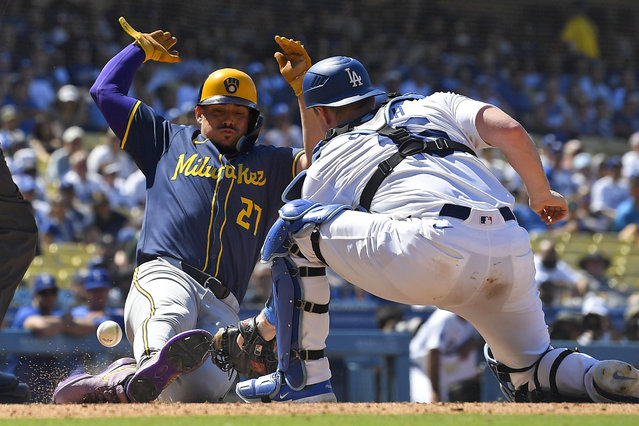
<point x="273" y="387"/>
<point x="183" y="353"/>
<point x="617" y="381"/>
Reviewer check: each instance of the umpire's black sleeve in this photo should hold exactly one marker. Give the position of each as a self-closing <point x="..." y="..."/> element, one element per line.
<point x="18" y="236"/>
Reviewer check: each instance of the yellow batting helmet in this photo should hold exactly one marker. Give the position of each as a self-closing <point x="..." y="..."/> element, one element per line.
<point x="229" y="86"/>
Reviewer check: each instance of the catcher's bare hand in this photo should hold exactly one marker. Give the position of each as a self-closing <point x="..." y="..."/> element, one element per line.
<point x="552" y="208"/>
<point x="241" y="347"/>
<point x="293" y="63"/>
<point x="156" y="45"/>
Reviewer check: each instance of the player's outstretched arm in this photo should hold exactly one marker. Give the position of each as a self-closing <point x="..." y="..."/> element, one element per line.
<point x="156" y="45"/>
<point x="500" y="130"/>
<point x="293" y="62"/>
<point x="111" y="88"/>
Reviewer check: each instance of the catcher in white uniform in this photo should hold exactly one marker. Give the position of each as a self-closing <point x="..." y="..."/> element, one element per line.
<point x="397" y="202"/>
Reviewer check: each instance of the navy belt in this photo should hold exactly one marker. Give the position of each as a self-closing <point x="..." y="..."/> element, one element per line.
<point x="205" y="280"/>
<point x="463" y="212"/>
<point x="311" y="272"/>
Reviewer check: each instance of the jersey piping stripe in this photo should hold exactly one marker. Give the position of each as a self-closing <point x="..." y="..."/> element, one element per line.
<point x="226" y="202"/>
<point x="145" y="332"/>
<point x="296" y="160"/>
<point x="128" y="125"/>
<point x="208" y="240"/>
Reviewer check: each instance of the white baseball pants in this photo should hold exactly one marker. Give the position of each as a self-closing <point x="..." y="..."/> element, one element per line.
<point x="480" y="268"/>
<point x="164" y="301"/>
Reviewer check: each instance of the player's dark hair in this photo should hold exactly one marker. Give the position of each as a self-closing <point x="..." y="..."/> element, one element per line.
<point x="363" y="106"/>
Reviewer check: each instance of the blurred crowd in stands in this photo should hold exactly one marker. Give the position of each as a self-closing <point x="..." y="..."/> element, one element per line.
<point x="567" y="75"/>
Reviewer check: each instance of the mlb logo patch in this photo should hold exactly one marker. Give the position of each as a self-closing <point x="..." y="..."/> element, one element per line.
<point x="486" y="220"/>
<point x="258" y="350"/>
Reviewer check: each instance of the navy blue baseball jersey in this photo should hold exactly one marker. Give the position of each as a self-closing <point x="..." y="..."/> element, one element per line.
<point x="209" y="210"/>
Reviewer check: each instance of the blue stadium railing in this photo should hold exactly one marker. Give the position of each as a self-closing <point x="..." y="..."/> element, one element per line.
<point x="368" y="364"/>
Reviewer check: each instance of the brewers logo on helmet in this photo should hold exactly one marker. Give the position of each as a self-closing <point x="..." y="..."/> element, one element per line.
<point x="232" y="86"/>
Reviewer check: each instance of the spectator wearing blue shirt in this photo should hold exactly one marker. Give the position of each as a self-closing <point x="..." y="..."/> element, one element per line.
<point x="44" y="319"/>
<point x="97" y="285"/>
<point x="609" y="191"/>
<point x="28" y="188"/>
<point x="12" y="138"/>
<point x="60" y="226"/>
<point x="627" y="213"/>
<point x="42" y="316"/>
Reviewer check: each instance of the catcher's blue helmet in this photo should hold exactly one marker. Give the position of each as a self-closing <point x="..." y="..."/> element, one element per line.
<point x="337" y="81"/>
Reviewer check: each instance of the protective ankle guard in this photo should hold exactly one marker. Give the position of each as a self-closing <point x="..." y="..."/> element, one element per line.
<point x="538" y="394"/>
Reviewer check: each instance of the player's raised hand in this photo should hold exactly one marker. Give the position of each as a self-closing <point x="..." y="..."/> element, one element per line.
<point x="156" y="45"/>
<point x="293" y="62"/>
<point x="552" y="208"/>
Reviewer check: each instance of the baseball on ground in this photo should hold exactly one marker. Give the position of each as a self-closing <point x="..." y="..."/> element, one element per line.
<point x="109" y="333"/>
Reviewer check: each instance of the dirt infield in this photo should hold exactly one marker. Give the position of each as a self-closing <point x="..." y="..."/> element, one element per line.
<point x="240" y="409"/>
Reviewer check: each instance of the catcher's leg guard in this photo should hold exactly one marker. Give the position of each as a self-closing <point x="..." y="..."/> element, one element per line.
<point x="501" y="373"/>
<point x="286" y="290"/>
<point x="559" y="375"/>
<point x="296" y="343"/>
<point x="299" y="311"/>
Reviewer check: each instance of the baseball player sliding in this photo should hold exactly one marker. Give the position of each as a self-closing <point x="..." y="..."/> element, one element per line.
<point x="397" y="202"/>
<point x="212" y="195"/>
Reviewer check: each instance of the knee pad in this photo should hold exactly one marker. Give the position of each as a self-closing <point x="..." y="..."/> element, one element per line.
<point x="296" y="216"/>
<point x="502" y="374"/>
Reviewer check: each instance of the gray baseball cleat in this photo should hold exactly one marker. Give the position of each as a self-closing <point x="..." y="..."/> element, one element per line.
<point x="183" y="353"/>
<point x="106" y="386"/>
<point x="617" y="381"/>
